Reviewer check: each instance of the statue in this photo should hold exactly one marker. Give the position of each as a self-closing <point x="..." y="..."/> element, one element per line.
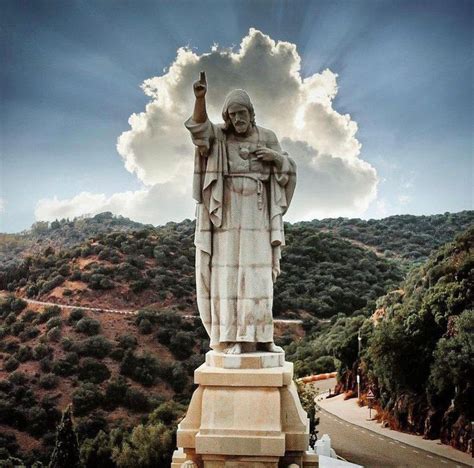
<point x="243" y="185"/>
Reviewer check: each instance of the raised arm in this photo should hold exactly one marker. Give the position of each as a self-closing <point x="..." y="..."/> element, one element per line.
<point x="200" y="89"/>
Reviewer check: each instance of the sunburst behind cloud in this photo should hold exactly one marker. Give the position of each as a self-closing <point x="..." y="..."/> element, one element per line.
<point x="334" y="179"/>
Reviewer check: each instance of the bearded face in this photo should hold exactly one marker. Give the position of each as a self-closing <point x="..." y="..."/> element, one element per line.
<point x="240" y="118"/>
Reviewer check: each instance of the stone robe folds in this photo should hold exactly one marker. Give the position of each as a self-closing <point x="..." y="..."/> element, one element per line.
<point x="239" y="233"/>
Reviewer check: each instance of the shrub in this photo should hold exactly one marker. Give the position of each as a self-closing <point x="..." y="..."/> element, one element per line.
<point x="116" y="392"/>
<point x="46" y="364"/>
<point x="75" y="316"/>
<point x="11" y="347"/>
<point x="28" y="316"/>
<point x="145" y="327"/>
<point x="75" y="275"/>
<point x="167" y="413"/>
<point x="127" y="341"/>
<point x="95" y="346"/>
<point x="48" y="381"/>
<point x="181" y="345"/>
<point x="17" y="304"/>
<point x="88" y="326"/>
<point x="48" y="312"/>
<point x="93" y="371"/>
<point x="17" y="328"/>
<point x="11" y="364"/>
<point x="164" y="336"/>
<point x="136" y="400"/>
<point x="24" y="354"/>
<point x="72" y="358"/>
<point x="54" y="322"/>
<point x="86" y="398"/>
<point x="100" y="281"/>
<point x="21" y="379"/>
<point x="32" y="290"/>
<point x="117" y="354"/>
<point x="52" y="283"/>
<point x="29" y="333"/>
<point x="67" y="344"/>
<point x="144" y="369"/>
<point x="40" y="351"/>
<point x="63" y="367"/>
<point x="54" y="334"/>
<point x="11" y="318"/>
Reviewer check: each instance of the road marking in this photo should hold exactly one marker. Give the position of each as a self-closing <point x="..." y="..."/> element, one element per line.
<point x="371" y="435"/>
<point x="416" y="451"/>
<point x="348" y="425"/>
<point x="393" y="443"/>
<point x="429" y="456"/>
<point x="443" y="461"/>
<point x="402" y="446"/>
<point x="380" y="438"/>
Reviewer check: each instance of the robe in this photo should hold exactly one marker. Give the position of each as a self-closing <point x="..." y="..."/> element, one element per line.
<point x="239" y="234"/>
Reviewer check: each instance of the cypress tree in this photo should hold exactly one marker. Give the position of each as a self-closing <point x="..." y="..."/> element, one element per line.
<point x="66" y="450"/>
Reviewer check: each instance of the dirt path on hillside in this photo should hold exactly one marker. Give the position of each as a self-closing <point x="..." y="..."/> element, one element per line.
<point x="126" y="311"/>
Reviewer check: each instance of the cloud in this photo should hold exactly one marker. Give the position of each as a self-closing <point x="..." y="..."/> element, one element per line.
<point x="143" y="205"/>
<point x="333" y="179"/>
<point x="3" y="205"/>
<point x="327" y="185"/>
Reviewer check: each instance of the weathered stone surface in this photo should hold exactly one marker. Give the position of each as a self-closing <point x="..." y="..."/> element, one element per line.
<point x="256" y="360"/>
<point x="243" y="185"/>
<point x="244" y="413"/>
<point x="271" y="377"/>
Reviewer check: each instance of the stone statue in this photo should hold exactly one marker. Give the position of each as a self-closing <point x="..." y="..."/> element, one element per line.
<point x="243" y="184"/>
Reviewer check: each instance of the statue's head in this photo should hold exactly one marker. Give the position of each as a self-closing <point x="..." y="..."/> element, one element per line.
<point x="238" y="113"/>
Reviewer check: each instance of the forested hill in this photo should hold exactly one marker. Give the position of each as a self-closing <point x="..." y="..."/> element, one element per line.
<point x="406" y="236"/>
<point x="417" y="349"/>
<point x="328" y="267"/>
<point x="61" y="233"/>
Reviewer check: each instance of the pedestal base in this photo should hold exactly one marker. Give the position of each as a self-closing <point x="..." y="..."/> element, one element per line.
<point x="245" y="413"/>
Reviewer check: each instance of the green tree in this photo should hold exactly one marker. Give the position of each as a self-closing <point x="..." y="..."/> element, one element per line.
<point x="148" y="446"/>
<point x="66" y="450"/>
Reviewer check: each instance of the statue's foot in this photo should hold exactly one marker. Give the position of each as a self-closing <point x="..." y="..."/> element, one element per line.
<point x="233" y="348"/>
<point x="270" y="347"/>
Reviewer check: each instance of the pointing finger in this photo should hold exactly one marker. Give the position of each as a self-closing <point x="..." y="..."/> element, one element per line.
<point x="202" y="77"/>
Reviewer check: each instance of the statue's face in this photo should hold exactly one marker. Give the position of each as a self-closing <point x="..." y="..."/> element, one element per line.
<point x="240" y="118"/>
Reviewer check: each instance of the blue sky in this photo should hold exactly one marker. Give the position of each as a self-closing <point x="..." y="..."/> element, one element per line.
<point x="72" y="74"/>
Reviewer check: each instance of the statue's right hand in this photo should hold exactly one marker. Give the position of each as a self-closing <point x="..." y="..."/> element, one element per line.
<point x="200" y="86"/>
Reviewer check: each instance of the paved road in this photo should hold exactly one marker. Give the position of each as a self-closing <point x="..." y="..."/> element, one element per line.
<point x="371" y="450"/>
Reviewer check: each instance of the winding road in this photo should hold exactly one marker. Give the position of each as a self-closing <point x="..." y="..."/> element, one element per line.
<point x="371" y="450"/>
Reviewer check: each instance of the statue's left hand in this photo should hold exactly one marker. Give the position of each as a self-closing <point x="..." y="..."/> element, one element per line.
<point x="267" y="154"/>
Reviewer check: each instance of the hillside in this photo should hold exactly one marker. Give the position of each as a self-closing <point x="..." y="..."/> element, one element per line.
<point x="61" y="233"/>
<point x="417" y="348"/>
<point x="131" y="376"/>
<point x="115" y="370"/>
<point x="323" y="274"/>
<point x="327" y="267"/>
<point x="408" y="237"/>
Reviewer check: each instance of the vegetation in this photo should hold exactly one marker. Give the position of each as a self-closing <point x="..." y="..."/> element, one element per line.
<point x="335" y="274"/>
<point x="430" y="321"/>
<point x="66" y="450"/>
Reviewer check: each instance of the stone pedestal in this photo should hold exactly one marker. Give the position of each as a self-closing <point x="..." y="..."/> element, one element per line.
<point x="245" y="413"/>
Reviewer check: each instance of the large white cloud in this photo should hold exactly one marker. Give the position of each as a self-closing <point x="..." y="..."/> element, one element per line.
<point x="333" y="179"/>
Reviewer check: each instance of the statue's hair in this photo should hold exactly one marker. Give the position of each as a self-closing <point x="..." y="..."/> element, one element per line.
<point x="238" y="96"/>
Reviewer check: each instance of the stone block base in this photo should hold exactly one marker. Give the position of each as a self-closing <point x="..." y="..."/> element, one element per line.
<point x="245" y="413"/>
